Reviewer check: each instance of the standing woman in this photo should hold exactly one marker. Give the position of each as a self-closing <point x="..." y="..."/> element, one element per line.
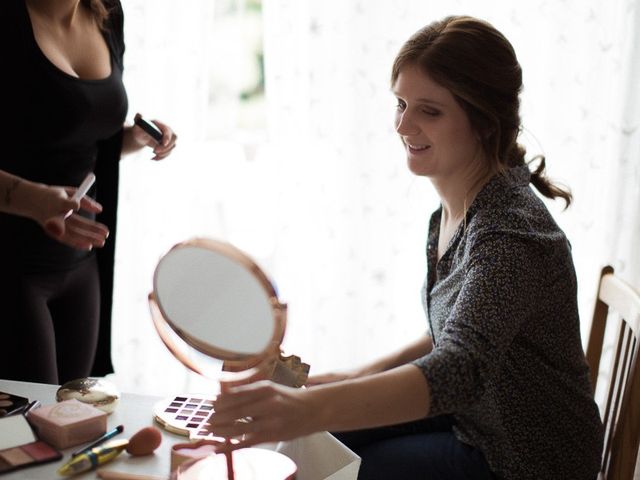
<point x="64" y="105"/>
<point x="498" y="388"/>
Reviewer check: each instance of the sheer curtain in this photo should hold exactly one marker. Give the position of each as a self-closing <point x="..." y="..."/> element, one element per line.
<point x="321" y="197"/>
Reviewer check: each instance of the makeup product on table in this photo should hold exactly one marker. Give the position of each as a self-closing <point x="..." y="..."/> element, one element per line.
<point x="107" y="436"/>
<point x="183" y="452"/>
<point x="11" y="404"/>
<point x="69" y="423"/>
<point x="19" y="447"/>
<point x="98" y="392"/>
<point x="93" y="458"/>
<point x="144" y="442"/>
<point x="185" y="415"/>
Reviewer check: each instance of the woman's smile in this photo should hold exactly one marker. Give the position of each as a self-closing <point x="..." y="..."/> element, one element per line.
<point x="415" y="148"/>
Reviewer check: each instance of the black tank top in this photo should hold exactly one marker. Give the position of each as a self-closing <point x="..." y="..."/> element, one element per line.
<point x="55" y="122"/>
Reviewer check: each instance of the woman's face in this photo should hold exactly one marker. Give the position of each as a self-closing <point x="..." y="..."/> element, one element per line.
<point x="433" y="127"/>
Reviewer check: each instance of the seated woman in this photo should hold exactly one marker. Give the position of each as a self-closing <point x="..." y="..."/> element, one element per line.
<point x="498" y="388"/>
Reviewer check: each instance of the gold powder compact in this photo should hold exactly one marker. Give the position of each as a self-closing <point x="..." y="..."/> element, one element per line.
<point x="94" y="391"/>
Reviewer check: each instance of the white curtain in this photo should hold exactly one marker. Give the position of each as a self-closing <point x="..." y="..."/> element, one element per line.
<point x="321" y="197"/>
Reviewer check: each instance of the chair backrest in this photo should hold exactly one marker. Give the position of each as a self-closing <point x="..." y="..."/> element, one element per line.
<point x="621" y="414"/>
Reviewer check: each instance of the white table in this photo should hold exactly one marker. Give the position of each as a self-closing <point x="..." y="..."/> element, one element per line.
<point x="319" y="456"/>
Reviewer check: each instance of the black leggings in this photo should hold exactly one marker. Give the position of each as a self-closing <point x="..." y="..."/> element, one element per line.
<point x="49" y="323"/>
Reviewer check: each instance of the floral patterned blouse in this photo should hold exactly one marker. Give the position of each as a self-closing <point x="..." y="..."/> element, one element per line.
<point x="507" y="359"/>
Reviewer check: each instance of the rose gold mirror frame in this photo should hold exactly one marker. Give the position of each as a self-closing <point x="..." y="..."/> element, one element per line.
<point x="269" y="363"/>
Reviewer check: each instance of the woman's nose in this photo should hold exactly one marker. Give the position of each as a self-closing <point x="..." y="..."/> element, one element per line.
<point x="405" y="124"/>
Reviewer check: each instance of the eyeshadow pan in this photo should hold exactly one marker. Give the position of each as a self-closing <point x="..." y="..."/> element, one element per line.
<point x="191" y="405"/>
<point x="195" y="400"/>
<point x="15" y="456"/>
<point x="200" y="414"/>
<point x="40" y="451"/>
<point x="181" y="417"/>
<point x="180" y="399"/>
<point x="186" y="412"/>
<point x="206" y="407"/>
<point x="171" y="410"/>
<point x="175" y="404"/>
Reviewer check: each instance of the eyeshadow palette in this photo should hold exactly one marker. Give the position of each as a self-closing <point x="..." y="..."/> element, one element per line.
<point x="10" y="403"/>
<point x="19" y="447"/>
<point x="185" y="415"/>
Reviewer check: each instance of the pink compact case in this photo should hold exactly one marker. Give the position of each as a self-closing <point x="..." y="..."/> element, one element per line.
<point x="69" y="423"/>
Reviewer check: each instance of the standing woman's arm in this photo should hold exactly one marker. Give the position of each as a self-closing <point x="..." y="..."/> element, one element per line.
<point x="48" y="206"/>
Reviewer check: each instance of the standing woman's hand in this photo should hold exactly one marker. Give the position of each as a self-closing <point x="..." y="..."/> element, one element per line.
<point x="50" y="207"/>
<point x="136" y="138"/>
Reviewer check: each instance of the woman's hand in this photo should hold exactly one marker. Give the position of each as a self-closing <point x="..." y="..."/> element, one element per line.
<point x="140" y="138"/>
<point x="267" y="412"/>
<point x="262" y="412"/>
<point x="54" y="209"/>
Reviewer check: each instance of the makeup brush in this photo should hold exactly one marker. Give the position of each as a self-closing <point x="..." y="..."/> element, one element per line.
<point x="107" y="436"/>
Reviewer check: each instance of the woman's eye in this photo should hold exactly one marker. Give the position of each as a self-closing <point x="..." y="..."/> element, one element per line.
<point x="400" y="105"/>
<point x="431" y="113"/>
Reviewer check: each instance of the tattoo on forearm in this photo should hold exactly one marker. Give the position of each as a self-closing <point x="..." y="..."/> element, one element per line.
<point x="9" y="191"/>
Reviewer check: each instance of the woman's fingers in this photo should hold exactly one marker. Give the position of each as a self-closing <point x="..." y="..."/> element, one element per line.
<point x="260" y="412"/>
<point x="55" y="226"/>
<point x="244" y="442"/>
<point x="163" y="148"/>
<point x="162" y="152"/>
<point x="90" y="205"/>
<point x="168" y="135"/>
<point x="240" y="402"/>
<point x="77" y="232"/>
<point x="90" y="230"/>
<point x="262" y="429"/>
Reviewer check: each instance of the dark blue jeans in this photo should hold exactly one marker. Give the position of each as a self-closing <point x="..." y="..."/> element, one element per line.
<point x="422" y="450"/>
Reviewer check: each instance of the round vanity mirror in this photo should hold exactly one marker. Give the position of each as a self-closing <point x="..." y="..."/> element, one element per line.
<point x="211" y="301"/>
<point x="218" y="301"/>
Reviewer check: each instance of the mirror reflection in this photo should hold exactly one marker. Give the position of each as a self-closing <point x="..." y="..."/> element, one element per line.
<point x="211" y="297"/>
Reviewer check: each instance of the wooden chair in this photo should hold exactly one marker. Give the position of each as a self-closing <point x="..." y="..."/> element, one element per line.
<point x="621" y="415"/>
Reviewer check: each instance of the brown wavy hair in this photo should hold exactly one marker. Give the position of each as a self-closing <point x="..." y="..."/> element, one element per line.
<point x="98" y="9"/>
<point x="478" y="65"/>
